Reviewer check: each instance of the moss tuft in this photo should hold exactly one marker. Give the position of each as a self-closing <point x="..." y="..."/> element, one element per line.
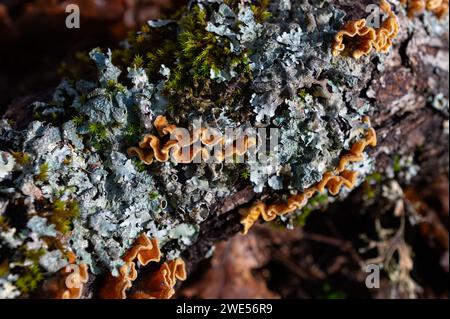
<point x="4" y="268"/>
<point x="30" y="279"/>
<point x="261" y="10"/>
<point x="78" y="120"/>
<point x="42" y="176"/>
<point x="21" y="158"/>
<point x="63" y="213"/>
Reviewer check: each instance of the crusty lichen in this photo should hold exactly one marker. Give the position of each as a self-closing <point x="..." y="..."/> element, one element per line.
<point x="67" y="183"/>
<point x="333" y="181"/>
<point x="145" y="250"/>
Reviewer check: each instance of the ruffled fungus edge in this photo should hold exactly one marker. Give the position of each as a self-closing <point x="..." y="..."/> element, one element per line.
<point x="332" y="181"/>
<point x="380" y="39"/>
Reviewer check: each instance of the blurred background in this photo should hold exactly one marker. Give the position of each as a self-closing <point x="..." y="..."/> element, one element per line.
<point x="35" y="45"/>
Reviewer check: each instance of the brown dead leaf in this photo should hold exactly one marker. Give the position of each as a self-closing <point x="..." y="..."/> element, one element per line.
<point x="230" y="275"/>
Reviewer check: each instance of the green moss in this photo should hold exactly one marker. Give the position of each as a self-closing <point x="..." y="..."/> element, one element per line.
<point x="245" y="174"/>
<point x="191" y="53"/>
<point x="376" y="178"/>
<point x="301" y="220"/>
<point x="83" y="99"/>
<point x="133" y="133"/>
<point x="31" y="275"/>
<point x="138" y="61"/>
<point x="371" y="186"/>
<point x="42" y="176"/>
<point x="154" y="195"/>
<point x="4" y="268"/>
<point x="396" y="166"/>
<point x="140" y="166"/>
<point x="114" y="87"/>
<point x="78" y="120"/>
<point x="63" y="213"/>
<point x="98" y="130"/>
<point x="37" y="116"/>
<point x="21" y="158"/>
<point x="198" y="52"/>
<point x="261" y="10"/>
<point x="302" y="93"/>
<point x="330" y="293"/>
<point x="370" y="193"/>
<point x="29" y="280"/>
<point x="99" y="135"/>
<point x="3" y="221"/>
<point x="149" y="48"/>
<point x="33" y="255"/>
<point x="319" y="200"/>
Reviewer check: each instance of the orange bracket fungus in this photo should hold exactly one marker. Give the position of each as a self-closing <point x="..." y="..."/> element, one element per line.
<point x="73" y="279"/>
<point x="145" y="250"/>
<point x="332" y="181"/>
<point x="181" y="149"/>
<point x="364" y="38"/>
<point x="161" y="283"/>
<point x="417" y="7"/>
<point x="285" y="133"/>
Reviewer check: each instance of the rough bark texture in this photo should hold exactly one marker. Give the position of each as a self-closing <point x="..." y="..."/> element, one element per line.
<point x="416" y="69"/>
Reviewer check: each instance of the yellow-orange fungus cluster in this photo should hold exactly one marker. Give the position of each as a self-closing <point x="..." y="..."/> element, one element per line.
<point x="359" y="39"/>
<point x="160" y="284"/>
<point x="332" y="181"/>
<point x="73" y="279"/>
<point x="182" y="148"/>
<point x="437" y="7"/>
<point x="145" y="251"/>
<point x="156" y="285"/>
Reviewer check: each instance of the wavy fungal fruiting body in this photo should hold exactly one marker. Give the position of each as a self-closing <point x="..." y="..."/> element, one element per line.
<point x="366" y="38"/>
<point x="415" y="7"/>
<point x="145" y="250"/>
<point x="182" y="149"/>
<point x="332" y="181"/>
<point x="74" y="278"/>
<point x="160" y="284"/>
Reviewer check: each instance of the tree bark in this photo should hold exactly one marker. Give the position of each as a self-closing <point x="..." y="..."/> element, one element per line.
<point x="415" y="71"/>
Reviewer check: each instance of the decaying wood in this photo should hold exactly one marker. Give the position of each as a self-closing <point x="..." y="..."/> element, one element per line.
<point x="415" y="70"/>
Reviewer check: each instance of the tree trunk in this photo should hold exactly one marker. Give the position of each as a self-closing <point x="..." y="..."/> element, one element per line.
<point x="405" y="96"/>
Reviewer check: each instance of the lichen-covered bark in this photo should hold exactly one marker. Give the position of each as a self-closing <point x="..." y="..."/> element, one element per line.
<point x="414" y="73"/>
<point x="407" y="90"/>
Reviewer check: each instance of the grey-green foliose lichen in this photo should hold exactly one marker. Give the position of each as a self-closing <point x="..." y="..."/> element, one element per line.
<point x="66" y="183"/>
